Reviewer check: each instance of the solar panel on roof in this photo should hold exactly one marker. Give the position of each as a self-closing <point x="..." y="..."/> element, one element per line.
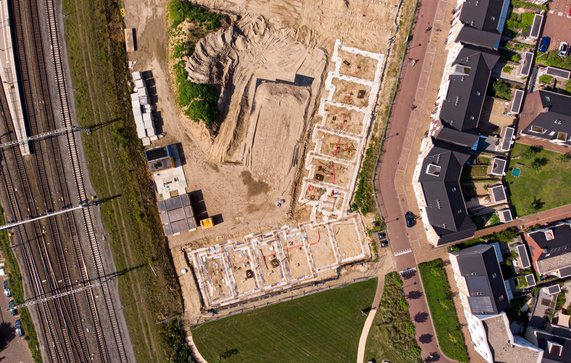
<point x="553" y="289"/>
<point x="480" y="304"/>
<point x="526" y="66"/>
<point x="530" y="279"/>
<point x="516" y="102"/>
<point x="565" y="271"/>
<point x="508" y="135"/>
<point x="523" y="256"/>
<point x="557" y="72"/>
<point x="536" y="26"/>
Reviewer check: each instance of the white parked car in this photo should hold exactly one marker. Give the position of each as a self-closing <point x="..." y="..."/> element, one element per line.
<point x="563" y="49"/>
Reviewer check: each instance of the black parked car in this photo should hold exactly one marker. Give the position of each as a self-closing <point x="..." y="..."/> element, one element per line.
<point x="11" y="305"/>
<point x="410" y="219"/>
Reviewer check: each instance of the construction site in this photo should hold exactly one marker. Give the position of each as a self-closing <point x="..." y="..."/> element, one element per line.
<point x="297" y="102"/>
<point x="277" y="260"/>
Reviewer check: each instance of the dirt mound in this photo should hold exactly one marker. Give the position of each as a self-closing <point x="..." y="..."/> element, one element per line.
<point x="240" y="58"/>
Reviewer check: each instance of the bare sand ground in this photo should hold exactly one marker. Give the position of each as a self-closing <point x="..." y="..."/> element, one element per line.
<point x="240" y="177"/>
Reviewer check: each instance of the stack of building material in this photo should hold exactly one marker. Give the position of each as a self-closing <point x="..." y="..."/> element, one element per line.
<point x="141" y="103"/>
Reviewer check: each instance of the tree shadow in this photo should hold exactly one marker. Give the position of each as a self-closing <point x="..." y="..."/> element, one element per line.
<point x="415" y="294"/>
<point x="425" y="338"/>
<point x="421" y="317"/>
<point x="6" y="334"/>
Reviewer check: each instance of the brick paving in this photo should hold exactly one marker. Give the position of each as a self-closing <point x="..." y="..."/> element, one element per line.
<point x="409" y="119"/>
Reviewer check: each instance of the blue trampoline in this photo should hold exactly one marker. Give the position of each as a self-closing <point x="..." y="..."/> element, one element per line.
<point x="516" y="172"/>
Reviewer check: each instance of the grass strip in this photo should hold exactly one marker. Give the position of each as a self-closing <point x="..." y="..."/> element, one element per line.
<point x="392" y="336"/>
<point x="442" y="310"/>
<point x="322" y="327"/>
<point x="16" y="287"/>
<point x="148" y="286"/>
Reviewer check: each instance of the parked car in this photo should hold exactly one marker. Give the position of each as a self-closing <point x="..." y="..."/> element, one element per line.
<point x="19" y="331"/>
<point x="7" y="291"/>
<point x="384" y="243"/>
<point x="410" y="219"/>
<point x="382" y="235"/>
<point x="563" y="49"/>
<point x="11" y="305"/>
<point x="2" y="271"/>
<point x="544" y="44"/>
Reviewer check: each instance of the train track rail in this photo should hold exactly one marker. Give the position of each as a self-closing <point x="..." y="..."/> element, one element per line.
<point x="51" y="251"/>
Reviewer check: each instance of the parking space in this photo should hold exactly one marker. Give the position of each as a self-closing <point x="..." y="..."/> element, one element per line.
<point x="13" y="348"/>
<point x="558" y="23"/>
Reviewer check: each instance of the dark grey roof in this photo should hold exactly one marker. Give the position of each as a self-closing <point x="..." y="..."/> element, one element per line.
<point x="177" y="214"/>
<point x="483" y="22"/>
<point x="559" y="245"/>
<point x="552" y="353"/>
<point x="554" y="118"/>
<point x="508" y="134"/>
<point x="446" y="209"/>
<point x="523" y="256"/>
<point x="530" y="279"/>
<point x="498" y="166"/>
<point x="499" y="193"/>
<point x="157" y="153"/>
<point x="467" y="88"/>
<point x="452" y="136"/>
<point x="553" y="289"/>
<point x="480" y="268"/>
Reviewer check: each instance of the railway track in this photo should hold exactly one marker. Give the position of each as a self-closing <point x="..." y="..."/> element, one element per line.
<point x="50" y="250"/>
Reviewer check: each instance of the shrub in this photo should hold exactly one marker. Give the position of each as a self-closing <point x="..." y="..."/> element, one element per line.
<point x="545" y="79"/>
<point x="508" y="69"/>
<point x="502" y="89"/>
<point x="180" y="11"/>
<point x="197" y="101"/>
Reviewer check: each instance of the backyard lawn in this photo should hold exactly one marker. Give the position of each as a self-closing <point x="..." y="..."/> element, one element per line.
<point x="442" y="310"/>
<point x="323" y="327"/>
<point x="542" y="182"/>
<point x="392" y="337"/>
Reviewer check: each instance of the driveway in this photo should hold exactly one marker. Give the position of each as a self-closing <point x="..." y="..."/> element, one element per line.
<point x="558" y="23"/>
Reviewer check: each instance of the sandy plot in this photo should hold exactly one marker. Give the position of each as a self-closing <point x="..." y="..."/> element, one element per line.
<point x="342" y="119"/>
<point x="351" y="93"/>
<point x="216" y="275"/>
<point x="331" y="172"/>
<point x="320" y="247"/>
<point x="347" y="237"/>
<point x="269" y="264"/>
<point x="337" y="146"/>
<point x="276" y="123"/>
<point x="242" y="269"/>
<point x="357" y="65"/>
<point x="298" y="262"/>
<point x="313" y="192"/>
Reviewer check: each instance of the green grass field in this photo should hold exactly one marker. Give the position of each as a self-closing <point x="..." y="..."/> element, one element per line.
<point x="542" y="184"/>
<point x="442" y="310"/>
<point x="323" y="327"/>
<point x="392" y="335"/>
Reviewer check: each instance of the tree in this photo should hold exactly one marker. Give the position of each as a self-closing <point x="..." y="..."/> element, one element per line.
<point x="502" y="89"/>
<point x="538" y="163"/>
